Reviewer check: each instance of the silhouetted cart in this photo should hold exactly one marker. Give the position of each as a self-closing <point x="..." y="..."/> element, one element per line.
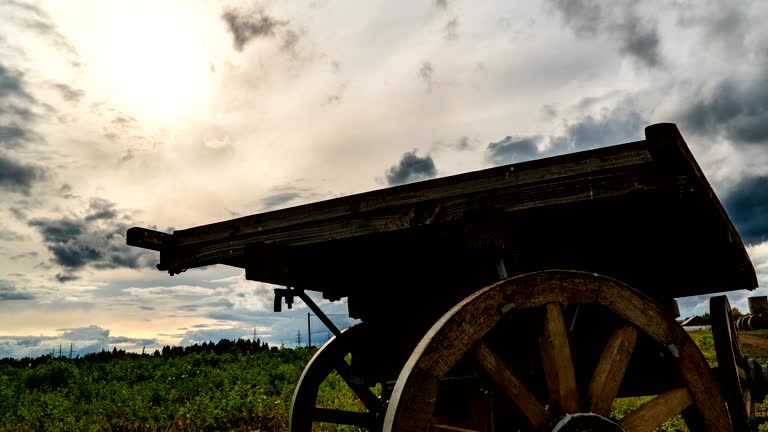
<point x="522" y="297"/>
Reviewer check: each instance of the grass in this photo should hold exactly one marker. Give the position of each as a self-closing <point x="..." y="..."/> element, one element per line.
<point x="703" y="339"/>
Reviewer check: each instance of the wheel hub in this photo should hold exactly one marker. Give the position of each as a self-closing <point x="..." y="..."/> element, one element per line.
<point x="585" y="422"/>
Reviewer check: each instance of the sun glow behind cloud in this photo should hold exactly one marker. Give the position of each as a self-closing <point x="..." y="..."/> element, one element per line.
<point x="155" y="66"/>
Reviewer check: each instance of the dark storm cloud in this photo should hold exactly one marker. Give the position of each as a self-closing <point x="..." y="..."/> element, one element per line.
<point x="725" y="25"/>
<point x="622" y="124"/>
<point x="6" y="235"/>
<point x="640" y="41"/>
<point x="14" y="136"/>
<point x="463" y="143"/>
<point x="451" y="29"/>
<point x="425" y="73"/>
<point x="512" y="149"/>
<point x="246" y="27"/>
<point x="18" y="177"/>
<point x="12" y="84"/>
<point x="8" y="291"/>
<point x="24" y="255"/>
<point x="411" y="168"/>
<point x="68" y="93"/>
<point x="619" y="125"/>
<point x="636" y="37"/>
<point x="101" y="209"/>
<point x="278" y="200"/>
<point x="442" y="4"/>
<point x="15" y="175"/>
<point x="32" y="17"/>
<point x="85" y="333"/>
<point x="582" y="16"/>
<point x="737" y="111"/>
<point x="15" y="104"/>
<point x="96" y="239"/>
<point x="290" y="40"/>
<point x="16" y="111"/>
<point x="747" y="206"/>
<point x="281" y="196"/>
<point x="66" y="277"/>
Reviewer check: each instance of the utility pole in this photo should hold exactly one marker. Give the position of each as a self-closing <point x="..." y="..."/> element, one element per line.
<point x="70" y="350"/>
<point x="309" y="332"/>
<point x="59" y="350"/>
<point x="298" y="339"/>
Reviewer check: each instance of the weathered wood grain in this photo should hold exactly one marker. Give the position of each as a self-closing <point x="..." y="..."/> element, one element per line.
<point x="731" y="363"/>
<point x="328" y="359"/>
<point x="191" y="251"/>
<point x="610" y="370"/>
<point x="464" y="326"/>
<point x="148" y="239"/>
<point x="557" y="361"/>
<point x="532" y="172"/>
<point x="658" y="410"/>
<point x="510" y="384"/>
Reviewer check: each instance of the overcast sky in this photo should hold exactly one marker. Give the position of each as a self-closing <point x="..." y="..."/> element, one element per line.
<point x="171" y="114"/>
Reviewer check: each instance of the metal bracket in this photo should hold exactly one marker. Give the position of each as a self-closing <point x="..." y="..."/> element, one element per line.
<point x="288" y="293"/>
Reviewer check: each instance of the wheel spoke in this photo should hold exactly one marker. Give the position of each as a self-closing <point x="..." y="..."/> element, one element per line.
<point x="655" y="412"/>
<point x="557" y="361"/>
<point x="512" y="386"/>
<point x="610" y="370"/>
<point x="370" y="400"/>
<point x="354" y="418"/>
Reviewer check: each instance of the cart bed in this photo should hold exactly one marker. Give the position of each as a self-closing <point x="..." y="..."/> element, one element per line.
<point x="642" y="212"/>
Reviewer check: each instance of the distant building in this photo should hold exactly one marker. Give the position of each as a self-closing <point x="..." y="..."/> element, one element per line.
<point x="695" y="323"/>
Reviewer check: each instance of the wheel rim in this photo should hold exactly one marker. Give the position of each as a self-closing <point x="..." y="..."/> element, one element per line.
<point x="463" y="333"/>
<point x="732" y="367"/>
<point x="330" y="358"/>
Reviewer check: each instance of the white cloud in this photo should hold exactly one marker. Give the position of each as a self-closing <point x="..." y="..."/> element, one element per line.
<point x="321" y="108"/>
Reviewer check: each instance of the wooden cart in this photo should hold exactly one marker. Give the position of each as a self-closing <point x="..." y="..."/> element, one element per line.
<point x="522" y="297"/>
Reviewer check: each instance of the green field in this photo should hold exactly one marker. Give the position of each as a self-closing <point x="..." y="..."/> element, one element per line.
<point x="228" y="386"/>
<point x="704" y="340"/>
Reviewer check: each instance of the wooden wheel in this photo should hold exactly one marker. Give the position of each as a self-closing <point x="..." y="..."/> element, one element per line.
<point x="329" y="358"/>
<point x="549" y="378"/>
<point x="732" y="366"/>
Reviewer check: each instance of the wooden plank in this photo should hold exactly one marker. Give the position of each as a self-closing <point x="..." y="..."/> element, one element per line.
<point x="437" y="427"/>
<point x="658" y="410"/>
<point x="192" y="251"/>
<point x="148" y="239"/>
<point x="574" y="164"/>
<point x="668" y="146"/>
<point x="369" y="399"/>
<point x="581" y="176"/>
<point x="558" y="362"/>
<point x="609" y="373"/>
<point x="510" y="384"/>
<point x="705" y="390"/>
<point x="652" y="320"/>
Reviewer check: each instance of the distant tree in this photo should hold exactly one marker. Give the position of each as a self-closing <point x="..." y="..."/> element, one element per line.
<point x="736" y="313"/>
<point x="706" y="317"/>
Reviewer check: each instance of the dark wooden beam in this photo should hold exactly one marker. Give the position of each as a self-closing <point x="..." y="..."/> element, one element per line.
<point x="148" y="239"/>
